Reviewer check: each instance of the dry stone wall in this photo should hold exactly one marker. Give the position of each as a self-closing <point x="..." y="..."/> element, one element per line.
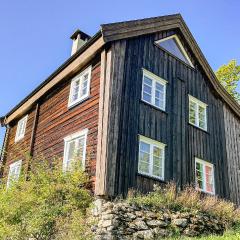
<point x="121" y="220"/>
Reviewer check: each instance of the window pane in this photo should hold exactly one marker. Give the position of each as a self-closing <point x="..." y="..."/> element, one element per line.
<point x="199" y="175"/>
<point x="23" y="127"/>
<point x="157" y="161"/>
<point x="157" y="171"/>
<point x="80" y="145"/>
<point x="145" y="147"/>
<point x="14" y="172"/>
<point x="144" y="157"/>
<point x="75" y="90"/>
<point x="144" y="167"/>
<point x="71" y="155"/>
<point x="192" y="112"/>
<point x="144" y="162"/>
<point x="202" y="113"/>
<point x="159" y="103"/>
<point x="84" y="86"/>
<point x="159" y="87"/>
<point x="172" y="46"/>
<point x="157" y="151"/>
<point x="147" y="81"/>
<point x="147" y="97"/>
<point x="159" y="95"/>
<point x="147" y="89"/>
<point x="209" y="178"/>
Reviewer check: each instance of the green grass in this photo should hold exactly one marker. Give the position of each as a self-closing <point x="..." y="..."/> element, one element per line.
<point x="228" y="235"/>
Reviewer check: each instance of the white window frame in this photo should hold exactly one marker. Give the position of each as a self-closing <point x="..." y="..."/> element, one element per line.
<point x="152" y="143"/>
<point x="76" y="78"/>
<point x="155" y="79"/>
<point x="198" y="103"/>
<point x="205" y="163"/>
<point x="69" y="138"/>
<point x="182" y="49"/>
<point x="20" y="135"/>
<point x="15" y="176"/>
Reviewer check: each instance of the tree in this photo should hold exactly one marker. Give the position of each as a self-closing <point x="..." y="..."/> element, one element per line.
<point x="229" y="77"/>
<point x="51" y="205"/>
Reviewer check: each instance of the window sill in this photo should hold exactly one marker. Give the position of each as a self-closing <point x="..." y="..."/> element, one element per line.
<point x="18" y="139"/>
<point x="152" y="106"/>
<point x="205" y="193"/>
<point x="201" y="129"/>
<point x="151" y="177"/>
<point x="78" y="102"/>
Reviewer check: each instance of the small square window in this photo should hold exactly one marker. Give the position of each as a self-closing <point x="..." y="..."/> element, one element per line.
<point x="204" y="176"/>
<point x="75" y="150"/>
<point x="80" y="87"/>
<point x="14" y="172"/>
<point x="197" y="113"/>
<point x="21" y="128"/>
<point x="154" y="90"/>
<point x="151" y="158"/>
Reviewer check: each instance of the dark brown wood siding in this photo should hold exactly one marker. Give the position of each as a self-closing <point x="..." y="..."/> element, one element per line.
<point x="18" y="150"/>
<point x="232" y="131"/>
<point x="131" y="117"/>
<point x="55" y="121"/>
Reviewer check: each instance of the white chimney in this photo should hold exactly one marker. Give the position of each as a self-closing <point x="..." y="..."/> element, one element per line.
<point x="79" y="39"/>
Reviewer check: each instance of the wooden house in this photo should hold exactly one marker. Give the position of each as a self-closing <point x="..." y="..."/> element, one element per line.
<point x="139" y="104"/>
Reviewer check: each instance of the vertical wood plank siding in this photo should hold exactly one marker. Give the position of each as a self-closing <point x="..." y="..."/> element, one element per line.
<point x="103" y="123"/>
<point x="232" y="130"/>
<point x="130" y="117"/>
<point x="55" y="121"/>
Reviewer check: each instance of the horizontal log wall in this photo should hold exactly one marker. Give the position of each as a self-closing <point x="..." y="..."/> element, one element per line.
<point x="21" y="149"/>
<point x="132" y="117"/>
<point x="55" y="121"/>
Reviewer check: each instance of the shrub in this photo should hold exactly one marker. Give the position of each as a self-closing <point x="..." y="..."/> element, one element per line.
<point x="187" y="199"/>
<point x="48" y="206"/>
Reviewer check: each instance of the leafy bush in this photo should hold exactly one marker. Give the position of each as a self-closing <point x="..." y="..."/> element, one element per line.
<point x="187" y="199"/>
<point x="50" y="205"/>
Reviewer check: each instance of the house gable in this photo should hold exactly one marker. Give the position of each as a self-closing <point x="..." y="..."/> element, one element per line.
<point x="130" y="29"/>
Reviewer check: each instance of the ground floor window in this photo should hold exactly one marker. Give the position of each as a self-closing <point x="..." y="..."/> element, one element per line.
<point x="14" y="172"/>
<point x="75" y="150"/>
<point x="151" y="157"/>
<point x="204" y="175"/>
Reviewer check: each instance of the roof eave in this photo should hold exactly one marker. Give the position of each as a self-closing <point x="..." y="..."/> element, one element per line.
<point x="57" y="71"/>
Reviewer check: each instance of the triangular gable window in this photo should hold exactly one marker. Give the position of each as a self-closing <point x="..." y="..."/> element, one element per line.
<point x="173" y="45"/>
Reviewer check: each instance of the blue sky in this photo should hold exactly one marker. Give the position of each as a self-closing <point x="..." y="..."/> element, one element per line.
<point x="34" y="35"/>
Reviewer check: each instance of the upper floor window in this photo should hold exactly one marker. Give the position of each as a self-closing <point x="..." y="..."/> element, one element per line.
<point x="151" y="157"/>
<point x="75" y="150"/>
<point x="204" y="175"/>
<point x="80" y="87"/>
<point x="21" y="128"/>
<point x="154" y="90"/>
<point x="197" y="113"/>
<point x="14" y="172"/>
<point x="174" y="46"/>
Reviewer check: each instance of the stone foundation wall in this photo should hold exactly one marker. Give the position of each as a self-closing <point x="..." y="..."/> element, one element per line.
<point x="121" y="220"/>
